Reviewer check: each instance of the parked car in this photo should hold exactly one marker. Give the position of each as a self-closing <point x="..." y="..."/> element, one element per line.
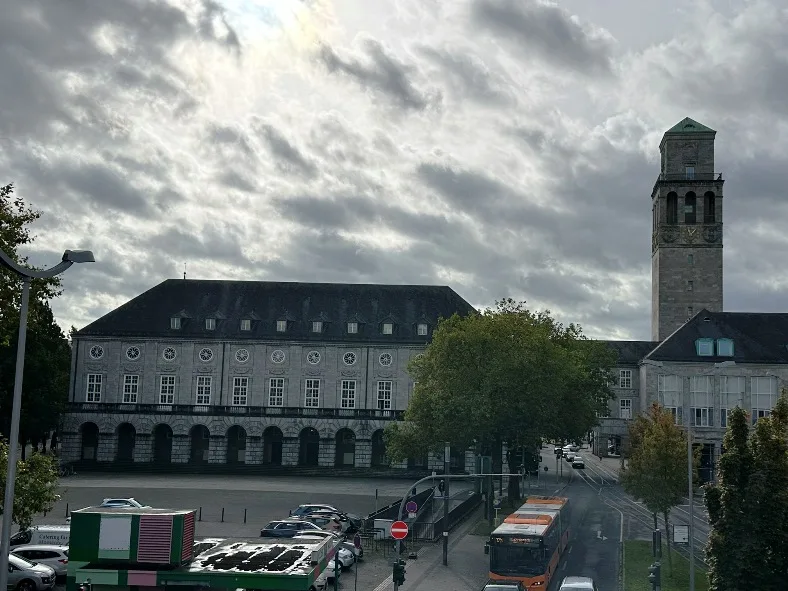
<point x="286" y="528"/>
<point x="578" y="584"/>
<point x="577" y="462"/>
<point x="25" y="575"/>
<point x="130" y="503"/>
<point x="504" y="586"/>
<point x="356" y="521"/>
<point x="49" y="555"/>
<point x="358" y="552"/>
<point x="328" y="521"/>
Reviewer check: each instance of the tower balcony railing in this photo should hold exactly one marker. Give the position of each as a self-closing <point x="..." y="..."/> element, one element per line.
<point x="230" y="410"/>
<point x="696" y="176"/>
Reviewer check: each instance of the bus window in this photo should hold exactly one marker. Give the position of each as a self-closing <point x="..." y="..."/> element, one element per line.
<point x="512" y="560"/>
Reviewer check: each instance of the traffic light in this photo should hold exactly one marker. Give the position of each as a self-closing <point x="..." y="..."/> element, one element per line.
<point x="441" y="486"/>
<point x="654" y="576"/>
<point x="399" y="572"/>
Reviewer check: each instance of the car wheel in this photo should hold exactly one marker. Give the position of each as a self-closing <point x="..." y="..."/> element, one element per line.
<point x="26" y="585"/>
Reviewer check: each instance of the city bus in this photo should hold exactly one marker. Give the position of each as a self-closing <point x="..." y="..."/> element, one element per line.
<point x="527" y="546"/>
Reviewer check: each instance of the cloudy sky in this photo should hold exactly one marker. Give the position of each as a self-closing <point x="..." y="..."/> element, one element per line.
<point x="507" y="148"/>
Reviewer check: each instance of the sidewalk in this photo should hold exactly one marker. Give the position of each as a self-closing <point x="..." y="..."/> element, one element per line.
<point x="467" y="569"/>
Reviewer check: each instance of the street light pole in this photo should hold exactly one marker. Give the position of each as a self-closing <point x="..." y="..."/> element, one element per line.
<point x="27" y="275"/>
<point x="690" y="466"/>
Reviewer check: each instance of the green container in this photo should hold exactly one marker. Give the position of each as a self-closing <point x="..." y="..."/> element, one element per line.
<point x="124" y="536"/>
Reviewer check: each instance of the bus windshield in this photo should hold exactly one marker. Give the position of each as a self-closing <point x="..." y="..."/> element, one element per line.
<point x="517" y="560"/>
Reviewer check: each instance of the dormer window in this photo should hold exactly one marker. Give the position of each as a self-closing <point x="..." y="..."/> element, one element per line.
<point x="246" y="324"/>
<point x="210" y="324"/>
<point x="421" y="329"/>
<point x="705" y="347"/>
<point x="281" y="326"/>
<point x="724" y="347"/>
<point x="317" y="326"/>
<point x="352" y="327"/>
<point x="175" y="323"/>
<point x="387" y="328"/>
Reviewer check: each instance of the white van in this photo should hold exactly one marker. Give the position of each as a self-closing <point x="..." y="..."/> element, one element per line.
<point x="57" y="535"/>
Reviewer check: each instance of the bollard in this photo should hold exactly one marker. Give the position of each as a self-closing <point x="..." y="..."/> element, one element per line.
<point x="199" y="515"/>
<point x="222" y="514"/>
<point x="66" y="509"/>
<point x="244" y="515"/>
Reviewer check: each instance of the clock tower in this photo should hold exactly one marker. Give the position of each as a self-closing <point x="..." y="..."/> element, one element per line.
<point x="686" y="235"/>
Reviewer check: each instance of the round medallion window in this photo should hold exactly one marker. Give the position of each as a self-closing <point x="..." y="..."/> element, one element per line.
<point x="313" y="357"/>
<point x="385" y="359"/>
<point x="96" y="352"/>
<point x="278" y="356"/>
<point x="349" y="358"/>
<point x="206" y="354"/>
<point x="133" y="353"/>
<point x="169" y="354"/>
<point x="242" y="355"/>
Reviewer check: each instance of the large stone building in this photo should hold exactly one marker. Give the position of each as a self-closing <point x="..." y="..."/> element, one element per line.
<point x="196" y="372"/>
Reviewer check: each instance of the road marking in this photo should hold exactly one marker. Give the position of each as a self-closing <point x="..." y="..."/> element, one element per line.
<point x="570" y="550"/>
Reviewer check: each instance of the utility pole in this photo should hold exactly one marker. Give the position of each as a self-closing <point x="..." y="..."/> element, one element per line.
<point x="446" y="468"/>
<point x="690" y="466"/>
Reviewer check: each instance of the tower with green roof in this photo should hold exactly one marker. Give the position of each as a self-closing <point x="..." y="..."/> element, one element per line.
<point x="686" y="243"/>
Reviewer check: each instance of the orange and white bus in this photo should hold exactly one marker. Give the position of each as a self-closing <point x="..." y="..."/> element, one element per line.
<point x="527" y="546"/>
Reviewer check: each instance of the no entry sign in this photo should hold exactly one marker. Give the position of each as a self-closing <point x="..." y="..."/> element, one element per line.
<point x="399" y="530"/>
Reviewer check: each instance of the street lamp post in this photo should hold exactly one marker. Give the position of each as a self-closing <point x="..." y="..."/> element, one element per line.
<point x="27" y="275"/>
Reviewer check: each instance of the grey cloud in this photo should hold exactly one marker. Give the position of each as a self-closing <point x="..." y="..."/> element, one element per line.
<point x="221" y="134"/>
<point x="384" y="73"/>
<point x="211" y="17"/>
<point x="210" y="243"/>
<point x="235" y="180"/>
<point x="105" y="188"/>
<point x="546" y="30"/>
<point x="470" y="77"/>
<point x="288" y="156"/>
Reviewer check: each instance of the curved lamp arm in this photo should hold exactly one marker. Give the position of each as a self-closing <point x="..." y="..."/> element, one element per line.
<point x="69" y="258"/>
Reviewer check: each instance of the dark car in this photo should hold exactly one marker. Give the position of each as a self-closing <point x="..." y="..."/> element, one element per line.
<point x="287" y="528"/>
<point x="356" y="521"/>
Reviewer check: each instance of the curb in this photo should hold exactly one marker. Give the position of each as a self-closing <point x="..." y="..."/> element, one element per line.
<point x="621" y="569"/>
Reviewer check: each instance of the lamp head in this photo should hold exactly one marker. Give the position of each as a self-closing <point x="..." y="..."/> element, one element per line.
<point x="79" y="256"/>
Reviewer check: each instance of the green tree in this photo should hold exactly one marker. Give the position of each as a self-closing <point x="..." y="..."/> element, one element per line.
<point x="47" y="353"/>
<point x="748" y="505"/>
<point x="505" y="376"/>
<point x="656" y="472"/>
<point x="36" y="485"/>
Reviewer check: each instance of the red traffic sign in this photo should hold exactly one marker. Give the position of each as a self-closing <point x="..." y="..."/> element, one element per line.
<point x="399" y="530"/>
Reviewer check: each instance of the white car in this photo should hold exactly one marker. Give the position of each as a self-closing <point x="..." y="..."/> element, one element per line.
<point x="578" y="584"/>
<point x="130" y="503"/>
<point x="49" y="555"/>
<point x="577" y="462"/>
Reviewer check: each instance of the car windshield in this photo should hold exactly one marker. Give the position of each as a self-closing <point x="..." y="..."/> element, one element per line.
<point x="20" y="562"/>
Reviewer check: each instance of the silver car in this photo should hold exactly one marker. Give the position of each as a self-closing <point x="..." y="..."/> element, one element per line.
<point x="46" y="554"/>
<point x="29" y="576"/>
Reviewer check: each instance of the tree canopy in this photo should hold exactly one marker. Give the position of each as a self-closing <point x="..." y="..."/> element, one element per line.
<point x="748" y="505"/>
<point x="505" y="376"/>
<point x="656" y="471"/>
<point x="47" y="353"/>
<point x="36" y="485"/>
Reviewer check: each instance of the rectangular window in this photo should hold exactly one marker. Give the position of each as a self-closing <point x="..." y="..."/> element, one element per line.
<point x="384" y="395"/>
<point x="690" y="259"/>
<point x="690" y="285"/>
<point x="625" y="378"/>
<point x="167" y="390"/>
<point x="204" y="385"/>
<point x="246" y="324"/>
<point x="705" y="347"/>
<point x="352" y="327"/>
<point x="724" y="348"/>
<point x="690" y="312"/>
<point x="690" y="170"/>
<point x="93" y="394"/>
<point x="276" y="392"/>
<point x="422" y="330"/>
<point x="731" y="396"/>
<point x="175" y="323"/>
<point x="317" y="326"/>
<point x="625" y="408"/>
<point x="210" y="324"/>
<point x="701" y="402"/>
<point x="281" y="326"/>
<point x="348" y="394"/>
<point x="131" y="389"/>
<point x="388" y="328"/>
<point x="312" y="393"/>
<point x="764" y="396"/>
<point x="240" y="391"/>
<point x="670" y="396"/>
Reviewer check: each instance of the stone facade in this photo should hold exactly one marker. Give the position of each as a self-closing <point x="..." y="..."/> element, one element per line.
<point x="686" y="262"/>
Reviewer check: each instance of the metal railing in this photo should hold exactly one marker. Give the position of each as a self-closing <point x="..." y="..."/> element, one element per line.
<point x="433" y="531"/>
<point x="683" y="176"/>
<point x="228" y="410"/>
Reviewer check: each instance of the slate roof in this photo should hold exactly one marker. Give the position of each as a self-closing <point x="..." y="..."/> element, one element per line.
<point x="688" y="125"/>
<point x="264" y="302"/>
<point x="758" y="337"/>
<point x="632" y="352"/>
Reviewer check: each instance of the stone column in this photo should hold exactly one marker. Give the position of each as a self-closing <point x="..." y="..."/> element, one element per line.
<point x="143" y="447"/>
<point x="254" y="449"/>
<point x="363" y="453"/>
<point x="290" y="451"/>
<point x="217" y="453"/>
<point x="328" y="452"/>
<point x="107" y="444"/>
<point x="70" y="447"/>
<point x="181" y="449"/>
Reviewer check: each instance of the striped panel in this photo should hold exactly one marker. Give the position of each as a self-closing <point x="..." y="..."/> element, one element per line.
<point x="155" y="539"/>
<point x="188" y="537"/>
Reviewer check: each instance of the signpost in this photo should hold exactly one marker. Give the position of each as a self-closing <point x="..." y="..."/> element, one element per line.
<point x="399" y="530"/>
<point x="411" y="507"/>
<point x="681" y="534"/>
